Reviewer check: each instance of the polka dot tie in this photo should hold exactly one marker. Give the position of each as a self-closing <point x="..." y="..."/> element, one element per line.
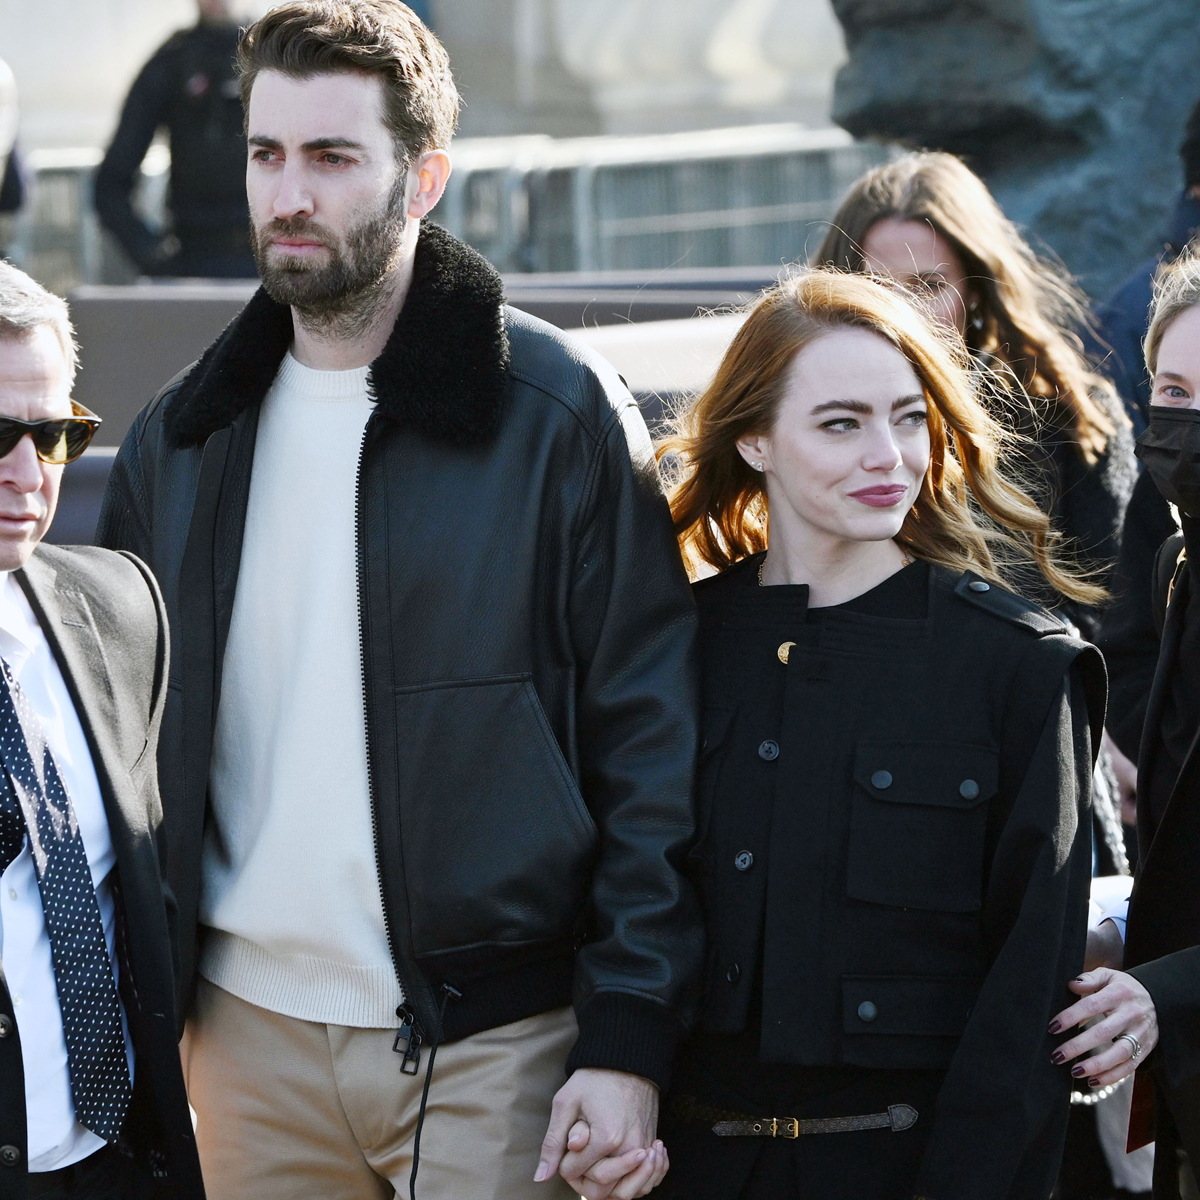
<point x="34" y="804"/>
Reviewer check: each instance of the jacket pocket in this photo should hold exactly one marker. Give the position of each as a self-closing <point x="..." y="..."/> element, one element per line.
<point x="497" y="842"/>
<point x="918" y="824"/>
<point x="907" y="1006"/>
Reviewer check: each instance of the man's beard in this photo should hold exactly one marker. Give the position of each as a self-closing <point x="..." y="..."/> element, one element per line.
<point x="342" y="297"/>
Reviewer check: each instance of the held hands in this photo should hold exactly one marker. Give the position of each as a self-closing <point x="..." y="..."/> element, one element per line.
<point x="1126" y="1011"/>
<point x="601" y="1136"/>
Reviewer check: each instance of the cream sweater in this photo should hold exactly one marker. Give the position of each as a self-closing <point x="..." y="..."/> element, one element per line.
<point x="290" y="893"/>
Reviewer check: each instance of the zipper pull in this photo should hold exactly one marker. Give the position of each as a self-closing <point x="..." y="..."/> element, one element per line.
<point x="408" y="1041"/>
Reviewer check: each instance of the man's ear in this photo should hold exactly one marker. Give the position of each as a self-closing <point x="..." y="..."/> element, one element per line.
<point x="427" y="179"/>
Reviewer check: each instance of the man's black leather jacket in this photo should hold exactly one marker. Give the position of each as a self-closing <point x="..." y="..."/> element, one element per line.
<point x="528" y="659"/>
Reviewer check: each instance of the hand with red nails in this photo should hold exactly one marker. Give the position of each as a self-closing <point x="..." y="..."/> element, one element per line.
<point x="1125" y="1008"/>
<point x="601" y="1136"/>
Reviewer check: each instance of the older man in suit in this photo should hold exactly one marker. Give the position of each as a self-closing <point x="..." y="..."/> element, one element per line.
<point x="92" y="1103"/>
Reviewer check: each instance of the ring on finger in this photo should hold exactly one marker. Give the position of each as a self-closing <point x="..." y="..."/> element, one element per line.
<point x="1135" y="1047"/>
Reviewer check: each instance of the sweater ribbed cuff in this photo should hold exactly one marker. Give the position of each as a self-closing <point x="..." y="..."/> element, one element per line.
<point x="618" y="1032"/>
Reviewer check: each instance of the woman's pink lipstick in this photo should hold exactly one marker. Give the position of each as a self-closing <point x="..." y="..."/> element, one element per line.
<point x="885" y="496"/>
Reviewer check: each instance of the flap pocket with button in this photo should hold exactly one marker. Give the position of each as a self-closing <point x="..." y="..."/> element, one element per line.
<point x="918" y="823"/>
<point x="907" y="1006"/>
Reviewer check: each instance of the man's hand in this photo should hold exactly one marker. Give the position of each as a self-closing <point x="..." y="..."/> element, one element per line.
<point x="601" y="1136"/>
<point x="1104" y="947"/>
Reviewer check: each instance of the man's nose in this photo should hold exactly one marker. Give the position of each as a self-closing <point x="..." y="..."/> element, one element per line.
<point x="294" y="197"/>
<point x="21" y="468"/>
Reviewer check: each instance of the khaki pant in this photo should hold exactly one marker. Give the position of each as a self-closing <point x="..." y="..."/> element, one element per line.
<point x="294" y="1110"/>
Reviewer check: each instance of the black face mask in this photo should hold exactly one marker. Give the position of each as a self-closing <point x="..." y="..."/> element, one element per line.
<point x="1170" y="450"/>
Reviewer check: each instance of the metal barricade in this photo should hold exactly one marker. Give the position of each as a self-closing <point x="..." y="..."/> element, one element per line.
<point x="715" y="198"/>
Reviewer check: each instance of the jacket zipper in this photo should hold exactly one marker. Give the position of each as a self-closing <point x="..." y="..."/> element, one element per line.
<point x="409" y="1034"/>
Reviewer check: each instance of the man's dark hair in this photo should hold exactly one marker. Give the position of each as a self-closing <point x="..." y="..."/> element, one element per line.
<point x="373" y="37"/>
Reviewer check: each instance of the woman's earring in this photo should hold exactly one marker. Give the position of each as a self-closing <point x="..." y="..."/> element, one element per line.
<point x="756" y="466"/>
<point x="976" y="317"/>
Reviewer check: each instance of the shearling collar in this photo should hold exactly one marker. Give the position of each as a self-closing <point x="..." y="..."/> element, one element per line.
<point x="442" y="372"/>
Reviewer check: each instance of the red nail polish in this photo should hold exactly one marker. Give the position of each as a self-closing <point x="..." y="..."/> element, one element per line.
<point x="1078" y="1070"/>
<point x="1058" y="1058"/>
<point x="1055" y="1027"/>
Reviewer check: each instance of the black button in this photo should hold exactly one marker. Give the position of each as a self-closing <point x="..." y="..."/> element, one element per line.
<point x="744" y="861"/>
<point x="6" y="1026"/>
<point x="881" y="780"/>
<point x="9" y="1156"/>
<point x="734" y="973"/>
<point x="968" y="789"/>
<point x="867" y="1011"/>
<point x="769" y="750"/>
<point x="977" y="585"/>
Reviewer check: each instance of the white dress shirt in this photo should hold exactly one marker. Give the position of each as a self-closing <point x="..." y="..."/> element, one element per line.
<point x="56" y="1138"/>
<point x="1118" y="915"/>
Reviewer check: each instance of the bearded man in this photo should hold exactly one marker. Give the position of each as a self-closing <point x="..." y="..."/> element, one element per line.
<point x="428" y="750"/>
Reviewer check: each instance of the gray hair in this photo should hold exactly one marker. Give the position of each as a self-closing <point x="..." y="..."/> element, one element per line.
<point x="25" y="306"/>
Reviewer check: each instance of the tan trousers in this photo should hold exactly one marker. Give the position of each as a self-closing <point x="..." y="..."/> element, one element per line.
<point x="293" y="1110"/>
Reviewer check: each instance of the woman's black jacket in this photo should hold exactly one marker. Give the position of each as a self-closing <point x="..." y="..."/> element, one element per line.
<point x="898" y="819"/>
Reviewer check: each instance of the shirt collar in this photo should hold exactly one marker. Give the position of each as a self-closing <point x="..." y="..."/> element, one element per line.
<point x="18" y="626"/>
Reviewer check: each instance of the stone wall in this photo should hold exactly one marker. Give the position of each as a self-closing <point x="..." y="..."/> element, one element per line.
<point x="1073" y="112"/>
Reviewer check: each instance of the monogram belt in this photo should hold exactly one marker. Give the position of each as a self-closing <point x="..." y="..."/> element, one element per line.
<point x="898" y="1118"/>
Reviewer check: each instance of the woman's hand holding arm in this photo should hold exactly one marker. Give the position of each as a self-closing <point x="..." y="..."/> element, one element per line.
<point x="1126" y="1011"/>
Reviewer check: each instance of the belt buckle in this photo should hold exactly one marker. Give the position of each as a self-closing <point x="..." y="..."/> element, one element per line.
<point x="789" y="1127"/>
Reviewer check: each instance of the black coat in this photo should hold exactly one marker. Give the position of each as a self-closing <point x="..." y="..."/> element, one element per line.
<point x="528" y="656"/>
<point x="895" y="837"/>
<point x="1162" y="946"/>
<point x="1131" y="628"/>
<point x="104" y="619"/>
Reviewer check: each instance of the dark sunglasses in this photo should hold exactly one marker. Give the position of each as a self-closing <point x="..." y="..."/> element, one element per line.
<point x="56" y="442"/>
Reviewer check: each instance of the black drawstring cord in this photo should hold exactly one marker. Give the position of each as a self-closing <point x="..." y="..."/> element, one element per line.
<point x="447" y="993"/>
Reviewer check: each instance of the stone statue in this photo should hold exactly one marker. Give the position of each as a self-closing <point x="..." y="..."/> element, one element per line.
<point x="1073" y="112"/>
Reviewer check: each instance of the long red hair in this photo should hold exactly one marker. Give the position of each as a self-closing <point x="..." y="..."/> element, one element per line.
<point x="968" y="514"/>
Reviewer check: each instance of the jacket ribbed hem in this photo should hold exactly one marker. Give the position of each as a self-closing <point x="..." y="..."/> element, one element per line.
<point x="619" y="1032"/>
<point x="302" y="986"/>
<point x="502" y="997"/>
